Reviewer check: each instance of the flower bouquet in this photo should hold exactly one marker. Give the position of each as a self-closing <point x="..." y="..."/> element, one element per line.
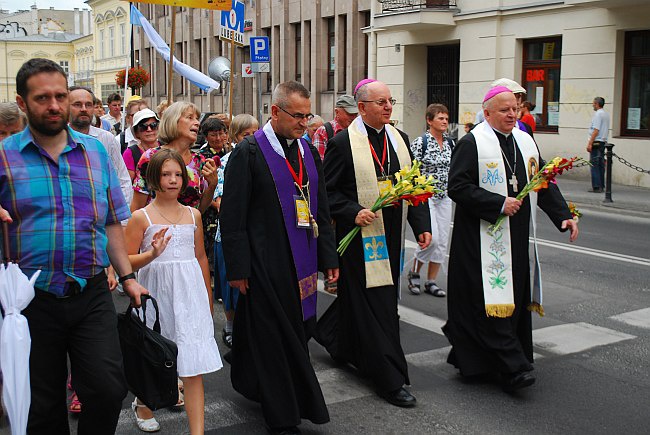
<point x="540" y="181"/>
<point x="575" y="213"/>
<point x="410" y="186"/>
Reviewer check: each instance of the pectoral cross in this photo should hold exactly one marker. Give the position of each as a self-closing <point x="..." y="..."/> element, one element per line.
<point x="513" y="182"/>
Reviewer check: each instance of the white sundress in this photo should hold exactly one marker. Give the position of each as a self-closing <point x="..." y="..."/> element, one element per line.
<point x="176" y="281"/>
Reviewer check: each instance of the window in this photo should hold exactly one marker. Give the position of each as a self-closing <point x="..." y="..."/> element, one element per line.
<point x="101" y="44"/>
<point x="342" y="43"/>
<point x="65" y="65"/>
<point x="541" y="79"/>
<point x="635" y="119"/>
<point x="331" y="53"/>
<point x="111" y="41"/>
<point x="298" y="46"/>
<point x="123" y="38"/>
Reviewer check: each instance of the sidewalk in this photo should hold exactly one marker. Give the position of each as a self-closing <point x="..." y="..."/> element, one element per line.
<point x="636" y="199"/>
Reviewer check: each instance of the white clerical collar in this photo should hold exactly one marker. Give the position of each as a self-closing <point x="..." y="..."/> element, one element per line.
<point x="378" y="130"/>
<point x="275" y="143"/>
<point x="505" y="134"/>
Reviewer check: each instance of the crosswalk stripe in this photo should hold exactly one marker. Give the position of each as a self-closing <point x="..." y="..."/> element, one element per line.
<point x="421" y="320"/>
<point x="640" y="318"/>
<point x="339" y="385"/>
<point x="575" y="337"/>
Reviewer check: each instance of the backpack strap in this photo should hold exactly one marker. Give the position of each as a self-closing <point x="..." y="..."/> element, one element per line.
<point x="425" y="144"/>
<point x="329" y="130"/>
<point x="136" y="152"/>
<point x="123" y="141"/>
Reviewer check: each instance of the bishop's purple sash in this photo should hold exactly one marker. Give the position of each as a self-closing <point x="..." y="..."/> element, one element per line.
<point x="303" y="244"/>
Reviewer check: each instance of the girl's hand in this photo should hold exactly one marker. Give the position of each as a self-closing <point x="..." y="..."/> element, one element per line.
<point x="159" y="242"/>
<point x="209" y="172"/>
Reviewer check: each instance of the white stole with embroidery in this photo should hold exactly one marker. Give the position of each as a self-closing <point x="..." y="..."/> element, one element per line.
<point x="496" y="249"/>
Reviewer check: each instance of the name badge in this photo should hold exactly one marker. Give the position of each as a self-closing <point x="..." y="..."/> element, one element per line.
<point x="384" y="184"/>
<point x="302" y="213"/>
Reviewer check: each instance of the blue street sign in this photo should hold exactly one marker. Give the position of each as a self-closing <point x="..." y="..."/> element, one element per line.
<point x="260" y="49"/>
<point x="232" y="23"/>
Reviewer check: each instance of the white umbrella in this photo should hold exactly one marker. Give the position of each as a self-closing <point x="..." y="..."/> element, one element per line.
<point x="16" y="292"/>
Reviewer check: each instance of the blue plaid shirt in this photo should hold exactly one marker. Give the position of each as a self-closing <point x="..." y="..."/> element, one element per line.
<point x="59" y="209"/>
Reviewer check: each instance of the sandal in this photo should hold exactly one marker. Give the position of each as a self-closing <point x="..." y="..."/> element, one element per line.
<point x="75" y="404"/>
<point x="414" y="282"/>
<point x="145" y="425"/>
<point x="181" y="399"/>
<point x="227" y="338"/>
<point x="433" y="289"/>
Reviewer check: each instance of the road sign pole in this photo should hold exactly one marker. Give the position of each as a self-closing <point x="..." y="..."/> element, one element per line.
<point x="232" y="75"/>
<point x="259" y="98"/>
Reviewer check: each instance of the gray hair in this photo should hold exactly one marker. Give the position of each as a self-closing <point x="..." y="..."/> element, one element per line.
<point x="600" y="101"/>
<point x="362" y="93"/>
<point x="10" y="114"/>
<point x="315" y="120"/>
<point x="282" y="92"/>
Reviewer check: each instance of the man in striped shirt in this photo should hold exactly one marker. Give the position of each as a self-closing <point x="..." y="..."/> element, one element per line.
<point x="61" y="197"/>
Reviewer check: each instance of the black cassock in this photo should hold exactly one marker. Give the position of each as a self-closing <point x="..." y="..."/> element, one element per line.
<point x="270" y="358"/>
<point x="361" y="327"/>
<point x="482" y="344"/>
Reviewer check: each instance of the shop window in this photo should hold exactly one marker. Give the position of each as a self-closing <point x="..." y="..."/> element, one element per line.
<point x="541" y="79"/>
<point x="635" y="119"/>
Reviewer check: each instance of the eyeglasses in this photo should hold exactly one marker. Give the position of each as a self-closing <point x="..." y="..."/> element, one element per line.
<point x="381" y="102"/>
<point x="145" y="127"/>
<point x="299" y="116"/>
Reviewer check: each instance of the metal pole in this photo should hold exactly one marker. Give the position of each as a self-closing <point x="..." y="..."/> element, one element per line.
<point x="232" y="71"/>
<point x="170" y="83"/>
<point x="608" y="172"/>
<point x="259" y="98"/>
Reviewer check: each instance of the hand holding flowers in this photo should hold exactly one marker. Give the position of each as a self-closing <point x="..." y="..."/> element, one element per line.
<point x="410" y="186"/>
<point x="541" y="181"/>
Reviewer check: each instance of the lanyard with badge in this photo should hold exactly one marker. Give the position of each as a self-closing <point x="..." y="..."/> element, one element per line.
<point x="304" y="218"/>
<point x="383" y="182"/>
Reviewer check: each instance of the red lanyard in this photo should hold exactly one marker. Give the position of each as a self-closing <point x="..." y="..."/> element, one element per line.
<point x="383" y="156"/>
<point x="296" y="178"/>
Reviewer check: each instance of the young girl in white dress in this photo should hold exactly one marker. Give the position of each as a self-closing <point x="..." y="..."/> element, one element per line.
<point x="165" y="242"/>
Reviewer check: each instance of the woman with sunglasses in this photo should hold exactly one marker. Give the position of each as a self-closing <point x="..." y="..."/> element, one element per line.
<point x="145" y="130"/>
<point x="178" y="129"/>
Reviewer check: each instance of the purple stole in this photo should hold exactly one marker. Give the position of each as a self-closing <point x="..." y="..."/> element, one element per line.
<point x="303" y="244"/>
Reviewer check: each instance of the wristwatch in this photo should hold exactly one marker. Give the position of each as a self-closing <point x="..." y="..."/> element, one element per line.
<point x="126" y="277"/>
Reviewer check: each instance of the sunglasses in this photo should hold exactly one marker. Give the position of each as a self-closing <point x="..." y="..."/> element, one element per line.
<point x="145" y="127"/>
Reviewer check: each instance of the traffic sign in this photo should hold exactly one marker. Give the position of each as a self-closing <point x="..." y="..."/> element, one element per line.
<point x="246" y="70"/>
<point x="232" y="23"/>
<point x="263" y="67"/>
<point x="260" y="52"/>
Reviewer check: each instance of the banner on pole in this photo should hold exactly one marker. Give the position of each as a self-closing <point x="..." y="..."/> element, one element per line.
<point x="220" y="5"/>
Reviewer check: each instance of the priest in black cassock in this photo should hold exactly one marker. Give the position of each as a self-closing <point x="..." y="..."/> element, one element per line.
<point x="490" y="293"/>
<point x="361" y="327"/>
<point x="276" y="235"/>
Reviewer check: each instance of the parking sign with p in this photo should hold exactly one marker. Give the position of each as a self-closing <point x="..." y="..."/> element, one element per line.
<point x="260" y="52"/>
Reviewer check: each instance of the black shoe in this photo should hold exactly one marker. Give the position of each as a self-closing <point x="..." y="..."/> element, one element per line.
<point x="293" y="430"/>
<point x="596" y="190"/>
<point x="400" y="397"/>
<point x="517" y="381"/>
<point x="433" y="289"/>
<point x="227" y="338"/>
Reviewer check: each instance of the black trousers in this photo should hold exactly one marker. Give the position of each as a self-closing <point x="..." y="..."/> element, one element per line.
<point x="83" y="327"/>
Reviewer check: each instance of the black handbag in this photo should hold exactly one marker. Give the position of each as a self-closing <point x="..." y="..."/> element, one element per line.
<point x="149" y="358"/>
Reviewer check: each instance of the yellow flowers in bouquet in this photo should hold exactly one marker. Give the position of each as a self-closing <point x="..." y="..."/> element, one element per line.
<point x="410" y="186"/>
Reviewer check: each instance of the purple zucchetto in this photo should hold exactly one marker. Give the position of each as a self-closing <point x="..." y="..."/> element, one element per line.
<point x="361" y="83"/>
<point x="495" y="91"/>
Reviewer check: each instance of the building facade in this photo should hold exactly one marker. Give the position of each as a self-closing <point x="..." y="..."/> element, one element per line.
<point x="320" y="44"/>
<point x="564" y="53"/>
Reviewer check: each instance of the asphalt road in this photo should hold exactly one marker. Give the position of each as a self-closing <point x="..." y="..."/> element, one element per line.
<point x="592" y="355"/>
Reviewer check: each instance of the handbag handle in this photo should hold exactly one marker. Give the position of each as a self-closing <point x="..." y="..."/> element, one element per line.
<point x="143" y="298"/>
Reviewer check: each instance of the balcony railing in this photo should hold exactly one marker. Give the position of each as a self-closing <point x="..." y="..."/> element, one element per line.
<point x="413" y="5"/>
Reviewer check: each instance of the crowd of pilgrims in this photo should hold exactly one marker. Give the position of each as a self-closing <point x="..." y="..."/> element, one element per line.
<point x="175" y="162"/>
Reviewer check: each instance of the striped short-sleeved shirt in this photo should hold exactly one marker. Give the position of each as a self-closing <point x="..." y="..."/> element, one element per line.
<point x="60" y="209"/>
